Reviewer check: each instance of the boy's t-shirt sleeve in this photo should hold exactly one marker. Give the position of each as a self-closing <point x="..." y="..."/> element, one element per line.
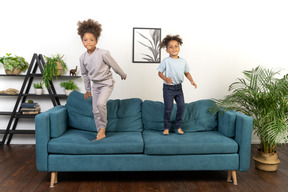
<point x="162" y="67"/>
<point x="187" y="68"/>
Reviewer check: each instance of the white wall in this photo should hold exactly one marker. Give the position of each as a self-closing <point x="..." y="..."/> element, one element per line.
<point x="221" y="39"/>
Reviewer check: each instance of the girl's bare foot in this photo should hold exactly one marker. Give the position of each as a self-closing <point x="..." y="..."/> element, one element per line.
<point x="100" y="135"/>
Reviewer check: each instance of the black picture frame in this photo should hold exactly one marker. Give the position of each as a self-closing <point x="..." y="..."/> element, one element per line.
<point x="146" y="45"/>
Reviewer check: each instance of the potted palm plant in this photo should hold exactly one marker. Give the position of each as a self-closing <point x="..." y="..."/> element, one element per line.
<point x="69" y="86"/>
<point x="38" y="87"/>
<point x="53" y="67"/>
<point x="14" y="65"/>
<point x="264" y="97"/>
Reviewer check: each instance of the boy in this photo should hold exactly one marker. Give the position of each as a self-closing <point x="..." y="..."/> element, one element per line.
<point x="172" y="70"/>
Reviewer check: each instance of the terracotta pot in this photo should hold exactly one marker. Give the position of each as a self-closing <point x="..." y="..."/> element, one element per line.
<point x="59" y="68"/>
<point x="266" y="161"/>
<point x="15" y="71"/>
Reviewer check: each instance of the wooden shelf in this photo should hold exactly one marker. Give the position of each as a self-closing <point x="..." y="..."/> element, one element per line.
<point x="5" y="113"/>
<point x="12" y="75"/>
<point x="3" y="94"/>
<point x="18" y="114"/>
<point x="34" y="95"/>
<point x="2" y="131"/>
<point x="38" y="75"/>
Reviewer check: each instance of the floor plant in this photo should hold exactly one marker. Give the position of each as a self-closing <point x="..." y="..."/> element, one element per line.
<point x="263" y="95"/>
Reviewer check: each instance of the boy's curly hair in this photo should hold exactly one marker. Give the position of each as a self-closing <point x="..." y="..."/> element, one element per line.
<point x="89" y="26"/>
<point x="168" y="38"/>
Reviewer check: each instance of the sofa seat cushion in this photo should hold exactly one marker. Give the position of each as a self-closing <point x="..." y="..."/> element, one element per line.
<point x="208" y="142"/>
<point x="75" y="141"/>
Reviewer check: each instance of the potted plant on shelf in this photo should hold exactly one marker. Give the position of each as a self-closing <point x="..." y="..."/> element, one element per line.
<point x="264" y="97"/>
<point x="53" y="67"/>
<point x="69" y="86"/>
<point x="14" y="65"/>
<point x="38" y="87"/>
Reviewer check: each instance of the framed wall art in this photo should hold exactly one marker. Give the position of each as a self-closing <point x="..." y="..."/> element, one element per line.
<point x="146" y="45"/>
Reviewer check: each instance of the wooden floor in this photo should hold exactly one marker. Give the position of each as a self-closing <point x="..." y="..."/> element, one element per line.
<point x="18" y="173"/>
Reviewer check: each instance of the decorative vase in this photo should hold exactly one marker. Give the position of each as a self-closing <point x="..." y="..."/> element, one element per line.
<point x="59" y="68"/>
<point x="38" y="91"/>
<point x="68" y="91"/>
<point x="266" y="161"/>
<point x="15" y="71"/>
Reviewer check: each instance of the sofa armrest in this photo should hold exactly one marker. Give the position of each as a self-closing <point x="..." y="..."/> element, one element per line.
<point x="51" y="123"/>
<point x="227" y="123"/>
<point x="243" y="134"/>
<point x="238" y="126"/>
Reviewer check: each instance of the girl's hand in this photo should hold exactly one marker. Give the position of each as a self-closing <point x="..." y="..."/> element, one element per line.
<point x="124" y="77"/>
<point x="168" y="80"/>
<point x="87" y="95"/>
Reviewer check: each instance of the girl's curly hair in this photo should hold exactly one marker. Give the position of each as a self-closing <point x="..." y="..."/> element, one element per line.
<point x="89" y="26"/>
<point x="168" y="38"/>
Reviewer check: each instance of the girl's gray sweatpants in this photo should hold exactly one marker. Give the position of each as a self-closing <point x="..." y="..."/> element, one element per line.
<point x="101" y="93"/>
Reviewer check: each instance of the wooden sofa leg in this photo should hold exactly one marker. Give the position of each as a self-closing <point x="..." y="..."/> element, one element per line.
<point x="56" y="178"/>
<point x="229" y="176"/>
<point x="234" y="177"/>
<point x="53" y="179"/>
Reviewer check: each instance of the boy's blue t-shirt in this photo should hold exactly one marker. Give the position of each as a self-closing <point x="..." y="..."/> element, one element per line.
<point x="174" y="68"/>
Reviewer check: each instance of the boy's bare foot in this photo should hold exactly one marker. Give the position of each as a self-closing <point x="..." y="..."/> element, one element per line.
<point x="166" y="132"/>
<point x="100" y="135"/>
<point x="180" y="131"/>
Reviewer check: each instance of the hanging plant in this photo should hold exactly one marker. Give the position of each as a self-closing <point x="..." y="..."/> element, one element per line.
<point x="51" y="68"/>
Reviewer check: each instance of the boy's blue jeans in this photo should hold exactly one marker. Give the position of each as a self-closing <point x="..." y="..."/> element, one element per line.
<point x="171" y="92"/>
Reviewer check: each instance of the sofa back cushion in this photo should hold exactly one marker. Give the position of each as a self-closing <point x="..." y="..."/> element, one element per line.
<point x="196" y="116"/>
<point x="122" y="115"/>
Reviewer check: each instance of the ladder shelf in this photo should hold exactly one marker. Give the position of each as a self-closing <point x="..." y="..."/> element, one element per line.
<point x="37" y="61"/>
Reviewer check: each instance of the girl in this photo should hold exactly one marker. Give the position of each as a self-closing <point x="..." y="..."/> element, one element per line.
<point x="95" y="66"/>
<point x="172" y="70"/>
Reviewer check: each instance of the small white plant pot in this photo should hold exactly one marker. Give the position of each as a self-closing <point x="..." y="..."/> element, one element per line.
<point x="68" y="91"/>
<point x="38" y="91"/>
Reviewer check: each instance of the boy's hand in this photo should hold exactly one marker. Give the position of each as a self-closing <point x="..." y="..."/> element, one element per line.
<point x="87" y="95"/>
<point x="194" y="84"/>
<point x="188" y="75"/>
<point x="168" y="80"/>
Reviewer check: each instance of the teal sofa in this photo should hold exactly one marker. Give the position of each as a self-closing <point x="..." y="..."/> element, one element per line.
<point x="134" y="139"/>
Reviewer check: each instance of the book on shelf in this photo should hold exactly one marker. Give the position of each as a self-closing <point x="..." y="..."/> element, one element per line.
<point x="30" y="112"/>
<point x="30" y="108"/>
<point x="29" y="105"/>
